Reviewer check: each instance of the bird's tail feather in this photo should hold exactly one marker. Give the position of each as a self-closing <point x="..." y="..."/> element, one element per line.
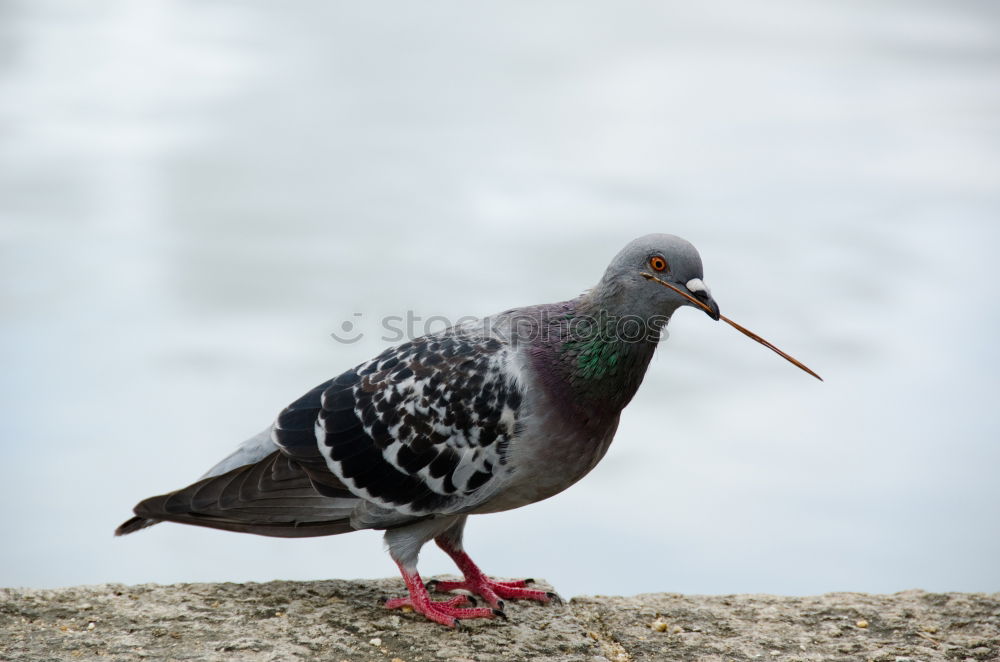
<point x="272" y="497"/>
<point x="134" y="524"/>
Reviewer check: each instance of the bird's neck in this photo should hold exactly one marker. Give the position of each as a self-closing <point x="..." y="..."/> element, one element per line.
<point x="592" y="359"/>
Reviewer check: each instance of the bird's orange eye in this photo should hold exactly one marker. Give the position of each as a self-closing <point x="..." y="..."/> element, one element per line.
<point x="658" y="263"/>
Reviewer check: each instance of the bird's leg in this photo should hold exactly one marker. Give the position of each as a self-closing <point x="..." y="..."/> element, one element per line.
<point x="493" y="592"/>
<point x="447" y="612"/>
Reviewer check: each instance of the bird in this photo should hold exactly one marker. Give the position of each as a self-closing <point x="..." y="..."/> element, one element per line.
<point x="478" y="418"/>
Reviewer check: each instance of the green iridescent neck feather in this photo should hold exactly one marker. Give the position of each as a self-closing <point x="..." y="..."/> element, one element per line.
<point x="603" y="358"/>
<point x="596" y="358"/>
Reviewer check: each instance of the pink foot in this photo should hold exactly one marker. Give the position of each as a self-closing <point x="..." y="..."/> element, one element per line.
<point x="489" y="590"/>
<point x="493" y="592"/>
<point x="447" y="612"/>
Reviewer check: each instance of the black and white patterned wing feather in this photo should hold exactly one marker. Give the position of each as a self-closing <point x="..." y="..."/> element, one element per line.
<point x="421" y="429"/>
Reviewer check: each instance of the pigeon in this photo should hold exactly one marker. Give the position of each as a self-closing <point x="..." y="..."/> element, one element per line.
<point x="479" y="418"/>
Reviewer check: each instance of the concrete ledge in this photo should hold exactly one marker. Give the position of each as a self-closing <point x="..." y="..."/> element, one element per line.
<point x="343" y="620"/>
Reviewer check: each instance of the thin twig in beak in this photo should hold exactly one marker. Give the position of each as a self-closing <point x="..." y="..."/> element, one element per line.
<point x="745" y="331"/>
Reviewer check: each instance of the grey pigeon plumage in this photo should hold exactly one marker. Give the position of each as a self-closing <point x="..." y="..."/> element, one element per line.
<point x="478" y="418"/>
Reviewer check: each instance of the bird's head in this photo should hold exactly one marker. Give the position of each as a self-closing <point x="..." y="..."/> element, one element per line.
<point x="655" y="275"/>
<point x="630" y="282"/>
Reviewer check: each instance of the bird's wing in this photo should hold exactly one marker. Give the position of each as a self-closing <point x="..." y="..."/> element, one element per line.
<point x="423" y="428"/>
<point x="274" y="496"/>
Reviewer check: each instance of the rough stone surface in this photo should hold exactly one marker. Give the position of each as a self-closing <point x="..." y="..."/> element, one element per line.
<point x="341" y="620"/>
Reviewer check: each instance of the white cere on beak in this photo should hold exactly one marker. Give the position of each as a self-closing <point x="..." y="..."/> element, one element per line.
<point x="696" y="285"/>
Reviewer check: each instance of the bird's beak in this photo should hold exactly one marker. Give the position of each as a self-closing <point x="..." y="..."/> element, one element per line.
<point x="705" y="301"/>
<point x="700" y="291"/>
<point x="713" y="310"/>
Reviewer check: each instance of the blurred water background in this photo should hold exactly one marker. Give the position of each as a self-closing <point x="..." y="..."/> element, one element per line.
<point x="194" y="195"/>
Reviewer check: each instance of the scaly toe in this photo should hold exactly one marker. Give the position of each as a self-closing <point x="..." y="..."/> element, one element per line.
<point x="515" y="593"/>
<point x="459" y="600"/>
<point x="396" y="603"/>
<point x="470" y="612"/>
<point x="440" y="586"/>
<point x="447" y="612"/>
<point x="494" y="593"/>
